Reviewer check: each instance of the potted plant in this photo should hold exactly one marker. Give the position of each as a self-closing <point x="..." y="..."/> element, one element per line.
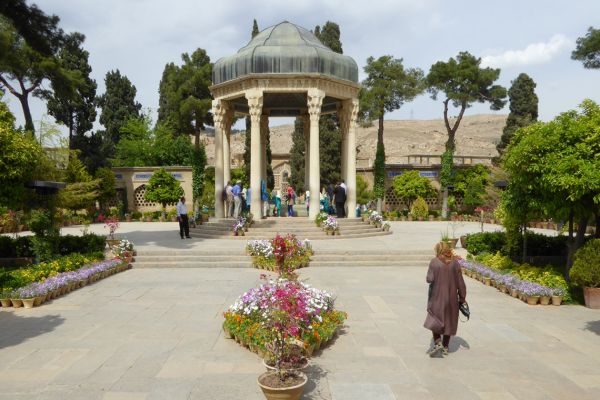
<point x="586" y="272"/>
<point x="127" y="217"/>
<point x="112" y="223"/>
<point x="557" y="296"/>
<point x="5" y="298"/>
<point x="331" y="226"/>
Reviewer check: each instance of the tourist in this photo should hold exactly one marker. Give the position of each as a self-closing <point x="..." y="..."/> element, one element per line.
<point x="237" y="198"/>
<point x="307" y="200"/>
<point x="343" y="184"/>
<point x="446" y="291"/>
<point x="246" y="198"/>
<point x="277" y="200"/>
<point x="290" y="200"/>
<point x="340" y="200"/>
<point x="182" y="217"/>
<point x="228" y="200"/>
<point x="264" y="196"/>
<point x="330" y="193"/>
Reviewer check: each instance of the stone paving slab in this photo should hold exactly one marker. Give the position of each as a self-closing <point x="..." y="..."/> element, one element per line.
<point x="155" y="334"/>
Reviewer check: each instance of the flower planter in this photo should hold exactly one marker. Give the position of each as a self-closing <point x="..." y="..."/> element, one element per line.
<point x="592" y="297"/>
<point x="39" y="300"/>
<point x="533" y="300"/>
<point x="291" y="368"/>
<point x="556" y="300"/>
<point x="286" y="393"/>
<point x="514" y="292"/>
<point x="487" y="281"/>
<point x="17" y="303"/>
<point x="463" y="241"/>
<point x="544" y="300"/>
<point x="29" y="303"/>
<point x="5" y="302"/>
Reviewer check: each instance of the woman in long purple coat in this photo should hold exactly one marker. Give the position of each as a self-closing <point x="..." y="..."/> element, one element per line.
<point x="447" y="291"/>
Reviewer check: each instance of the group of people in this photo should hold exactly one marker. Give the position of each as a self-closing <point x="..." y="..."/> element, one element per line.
<point x="237" y="198"/>
<point x="333" y="199"/>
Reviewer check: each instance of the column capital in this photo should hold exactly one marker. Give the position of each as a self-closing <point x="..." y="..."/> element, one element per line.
<point x="255" y="103"/>
<point x="315" y="101"/>
<point x="221" y="113"/>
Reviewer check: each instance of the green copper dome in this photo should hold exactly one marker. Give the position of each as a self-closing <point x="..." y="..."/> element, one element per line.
<point x="285" y="49"/>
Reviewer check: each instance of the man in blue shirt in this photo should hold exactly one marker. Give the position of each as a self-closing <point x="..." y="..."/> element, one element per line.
<point x="237" y="198"/>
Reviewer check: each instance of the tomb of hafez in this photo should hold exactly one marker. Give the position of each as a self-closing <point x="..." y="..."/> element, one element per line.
<point x="285" y="71"/>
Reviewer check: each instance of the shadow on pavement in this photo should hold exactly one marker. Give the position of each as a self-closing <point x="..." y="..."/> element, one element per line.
<point x="18" y="328"/>
<point x="167" y="238"/>
<point x="456" y="342"/>
<point x="312" y="390"/>
<point x="593" y="326"/>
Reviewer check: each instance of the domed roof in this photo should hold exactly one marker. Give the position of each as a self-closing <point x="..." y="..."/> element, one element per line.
<point x="285" y="49"/>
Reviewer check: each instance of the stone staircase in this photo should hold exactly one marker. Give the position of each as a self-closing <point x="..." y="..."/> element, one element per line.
<point x="322" y="259"/>
<point x="269" y="227"/>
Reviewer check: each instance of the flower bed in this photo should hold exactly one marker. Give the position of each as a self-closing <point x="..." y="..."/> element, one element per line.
<point x="240" y="226"/>
<point x="515" y="284"/>
<point x="315" y="318"/>
<point x="36" y="293"/>
<point x="263" y="255"/>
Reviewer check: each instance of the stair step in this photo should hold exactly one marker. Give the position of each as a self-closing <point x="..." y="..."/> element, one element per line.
<point x="191" y="257"/>
<point x="395" y="263"/>
<point x="191" y="264"/>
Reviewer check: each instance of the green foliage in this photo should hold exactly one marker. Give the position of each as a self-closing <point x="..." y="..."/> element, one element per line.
<point x="419" y="208"/>
<point x="297" y="156"/>
<point x="208" y="195"/>
<point x="363" y="194"/>
<point x="75" y="109"/>
<point x="474" y="195"/>
<point x="329" y="35"/>
<point x="20" y="154"/>
<point x="118" y="104"/>
<point x="379" y="172"/>
<point x="485" y="242"/>
<point x="163" y="188"/>
<point x="411" y="185"/>
<point x="107" y="186"/>
<point x="66" y="244"/>
<point x="588" y="49"/>
<point x="523" y="108"/>
<point x="142" y="145"/>
<point x="554" y="167"/>
<point x="76" y="171"/>
<point x="184" y="97"/>
<point x="330" y="149"/>
<point x="78" y="195"/>
<point x="586" y="268"/>
<point x="447" y="173"/>
<point x="40" y="222"/>
<point x="198" y="165"/>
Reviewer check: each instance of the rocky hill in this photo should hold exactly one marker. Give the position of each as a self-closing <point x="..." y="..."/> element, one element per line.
<point x="476" y="136"/>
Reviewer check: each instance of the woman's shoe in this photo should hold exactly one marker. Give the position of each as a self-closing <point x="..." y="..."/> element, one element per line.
<point x="445" y="351"/>
<point x="436" y="348"/>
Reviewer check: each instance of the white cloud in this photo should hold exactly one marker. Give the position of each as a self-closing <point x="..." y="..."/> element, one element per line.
<point x="535" y="53"/>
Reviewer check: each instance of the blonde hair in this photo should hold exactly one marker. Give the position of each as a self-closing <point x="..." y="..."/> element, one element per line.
<point x="441" y="248"/>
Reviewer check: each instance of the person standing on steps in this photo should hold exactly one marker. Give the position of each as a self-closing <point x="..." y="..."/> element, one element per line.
<point x="228" y="200"/>
<point x="237" y="199"/>
<point x="340" y="201"/>
<point x="446" y="291"/>
<point x="290" y="201"/>
<point x="182" y="217"/>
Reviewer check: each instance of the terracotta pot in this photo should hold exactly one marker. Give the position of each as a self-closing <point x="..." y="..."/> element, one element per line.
<point x="453" y="243"/>
<point x="487" y="281"/>
<point x="290" y="393"/>
<point x="556" y="300"/>
<point x="463" y="241"/>
<point x="17" y="303"/>
<point x="545" y="300"/>
<point x="295" y="368"/>
<point x="29" y="303"/>
<point x="592" y="297"/>
<point x="514" y="293"/>
<point x="533" y="300"/>
<point x="5" y="302"/>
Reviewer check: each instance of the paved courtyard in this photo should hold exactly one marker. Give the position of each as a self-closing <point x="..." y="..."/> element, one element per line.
<point x="155" y="334"/>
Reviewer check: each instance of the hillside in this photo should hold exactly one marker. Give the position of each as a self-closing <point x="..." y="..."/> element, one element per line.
<point x="476" y="136"/>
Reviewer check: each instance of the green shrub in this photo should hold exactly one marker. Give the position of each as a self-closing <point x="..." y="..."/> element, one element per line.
<point x="88" y="243"/>
<point x="485" y="242"/>
<point x="26" y="246"/>
<point x="586" y="268"/>
<point x="136" y="215"/>
<point x="419" y="209"/>
<point x="7" y="249"/>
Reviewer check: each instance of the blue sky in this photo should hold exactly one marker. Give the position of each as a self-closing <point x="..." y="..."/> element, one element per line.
<point x="533" y="36"/>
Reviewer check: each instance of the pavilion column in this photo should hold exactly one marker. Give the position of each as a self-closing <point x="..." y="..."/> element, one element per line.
<point x="264" y="132"/>
<point x="220" y="111"/>
<point x="351" y="111"/>
<point x="227" y="148"/>
<point x="315" y="100"/>
<point x="255" y="103"/>
<point x="306" y="131"/>
<point x="343" y="118"/>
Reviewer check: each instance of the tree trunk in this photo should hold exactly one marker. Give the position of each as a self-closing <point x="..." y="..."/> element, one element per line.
<point x="524" y="255"/>
<point x="197" y="139"/>
<point x="570" y="247"/>
<point x="597" y="234"/>
<point x="445" y="204"/>
<point x="380" y="129"/>
<point x="23" y="99"/>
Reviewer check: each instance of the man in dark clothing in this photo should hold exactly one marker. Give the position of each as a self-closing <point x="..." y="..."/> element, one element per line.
<point x="330" y="193"/>
<point x="340" y="200"/>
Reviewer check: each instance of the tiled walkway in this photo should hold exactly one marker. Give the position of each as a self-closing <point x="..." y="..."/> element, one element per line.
<point x="155" y="334"/>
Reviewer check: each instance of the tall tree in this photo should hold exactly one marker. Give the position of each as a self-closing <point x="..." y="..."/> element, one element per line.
<point x="556" y="166"/>
<point x="255" y="30"/>
<point x="329" y="35"/>
<point x="23" y="69"/>
<point x="118" y="104"/>
<point x="523" y="108"/>
<point x="463" y="82"/>
<point x="588" y="49"/>
<point x="387" y="87"/>
<point x="297" y="160"/>
<point x="77" y="110"/>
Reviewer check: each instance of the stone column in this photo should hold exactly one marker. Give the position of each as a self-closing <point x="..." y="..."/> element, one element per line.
<point x="306" y="131"/>
<point x="343" y="118"/>
<point x="351" y="108"/>
<point x="264" y="132"/>
<point x="255" y="103"/>
<point x="315" y="100"/>
<point x="227" y="148"/>
<point x="219" y="109"/>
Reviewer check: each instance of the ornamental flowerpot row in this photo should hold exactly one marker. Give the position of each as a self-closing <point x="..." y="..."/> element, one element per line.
<point x="60" y="291"/>
<point x="513" y="292"/>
